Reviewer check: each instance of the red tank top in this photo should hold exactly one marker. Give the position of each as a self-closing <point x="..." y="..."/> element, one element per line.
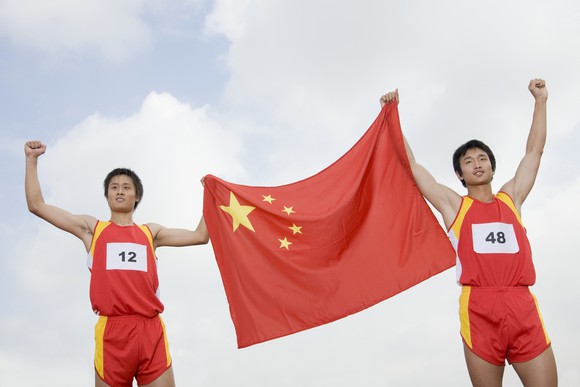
<point x="123" y="271"/>
<point x="491" y="244"/>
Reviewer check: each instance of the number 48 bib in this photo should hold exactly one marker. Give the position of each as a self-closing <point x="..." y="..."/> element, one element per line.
<point x="494" y="238"/>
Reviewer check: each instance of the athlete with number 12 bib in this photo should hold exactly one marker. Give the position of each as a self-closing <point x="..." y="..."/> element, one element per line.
<point x="130" y="338"/>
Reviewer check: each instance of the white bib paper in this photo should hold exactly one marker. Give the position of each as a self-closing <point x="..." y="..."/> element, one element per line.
<point x="126" y="256"/>
<point x="494" y="238"/>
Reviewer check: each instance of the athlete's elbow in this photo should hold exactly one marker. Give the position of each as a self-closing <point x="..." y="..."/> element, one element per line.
<point x="204" y="239"/>
<point x="39" y="209"/>
<point x="536" y="152"/>
<point x="34" y="208"/>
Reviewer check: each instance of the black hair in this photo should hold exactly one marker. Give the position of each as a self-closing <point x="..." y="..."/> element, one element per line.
<point x="462" y="150"/>
<point x="132" y="175"/>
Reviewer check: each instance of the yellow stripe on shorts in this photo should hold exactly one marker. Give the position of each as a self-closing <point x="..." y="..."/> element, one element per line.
<point x="541" y="318"/>
<point x="99" y="335"/>
<point x="166" y="342"/>
<point x="464" y="315"/>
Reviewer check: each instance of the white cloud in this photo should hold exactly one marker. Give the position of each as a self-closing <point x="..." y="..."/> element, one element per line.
<point x="114" y="29"/>
<point x="108" y="30"/>
<point x="228" y="18"/>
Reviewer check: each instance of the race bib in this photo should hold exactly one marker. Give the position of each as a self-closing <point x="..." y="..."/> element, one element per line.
<point x="494" y="238"/>
<point x="126" y="256"/>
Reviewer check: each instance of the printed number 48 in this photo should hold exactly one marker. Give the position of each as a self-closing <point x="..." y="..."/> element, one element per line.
<point x="131" y="255"/>
<point x="493" y="237"/>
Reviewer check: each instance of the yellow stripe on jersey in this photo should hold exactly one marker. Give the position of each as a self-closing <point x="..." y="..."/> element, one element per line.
<point x="147" y="233"/>
<point x="99" y="356"/>
<point x="465" y="206"/>
<point x="98" y="230"/>
<point x="509" y="202"/>
<point x="464" y="315"/>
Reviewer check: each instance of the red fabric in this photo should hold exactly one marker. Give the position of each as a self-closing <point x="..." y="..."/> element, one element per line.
<point x="366" y="234"/>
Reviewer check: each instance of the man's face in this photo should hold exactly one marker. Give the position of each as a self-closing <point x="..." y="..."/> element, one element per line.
<point x="121" y="194"/>
<point x="475" y="167"/>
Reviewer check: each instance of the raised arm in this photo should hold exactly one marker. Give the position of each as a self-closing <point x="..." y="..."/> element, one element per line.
<point x="521" y="184"/>
<point x="178" y="237"/>
<point x="443" y="198"/>
<point x="79" y="225"/>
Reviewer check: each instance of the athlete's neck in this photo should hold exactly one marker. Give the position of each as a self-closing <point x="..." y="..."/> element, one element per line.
<point x="483" y="192"/>
<point x="122" y="219"/>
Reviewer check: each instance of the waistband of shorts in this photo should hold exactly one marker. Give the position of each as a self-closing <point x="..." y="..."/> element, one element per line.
<point x="129" y="318"/>
<point x="497" y="289"/>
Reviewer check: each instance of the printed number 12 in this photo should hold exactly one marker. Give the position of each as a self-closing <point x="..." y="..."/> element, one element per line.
<point x="132" y="256"/>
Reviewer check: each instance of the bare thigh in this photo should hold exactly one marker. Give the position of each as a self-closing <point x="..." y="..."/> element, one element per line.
<point x="540" y="371"/>
<point x="100" y="382"/>
<point x="165" y="380"/>
<point x="481" y="372"/>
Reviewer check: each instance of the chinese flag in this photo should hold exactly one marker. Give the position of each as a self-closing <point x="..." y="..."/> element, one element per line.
<point x="304" y="254"/>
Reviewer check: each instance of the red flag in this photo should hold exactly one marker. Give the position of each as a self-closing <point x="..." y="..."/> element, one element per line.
<point x="304" y="254"/>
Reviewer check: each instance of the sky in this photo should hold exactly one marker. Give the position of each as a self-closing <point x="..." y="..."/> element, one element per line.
<point x="266" y="93"/>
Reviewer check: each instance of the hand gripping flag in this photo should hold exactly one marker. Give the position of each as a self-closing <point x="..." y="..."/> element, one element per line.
<point x="301" y="255"/>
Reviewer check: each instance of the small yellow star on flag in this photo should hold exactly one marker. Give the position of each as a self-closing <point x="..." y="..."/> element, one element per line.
<point x="268" y="198"/>
<point x="239" y="213"/>
<point x="295" y="229"/>
<point x="285" y="243"/>
<point x="288" y="210"/>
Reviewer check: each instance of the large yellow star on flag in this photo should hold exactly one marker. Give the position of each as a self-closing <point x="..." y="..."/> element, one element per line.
<point x="238" y="213"/>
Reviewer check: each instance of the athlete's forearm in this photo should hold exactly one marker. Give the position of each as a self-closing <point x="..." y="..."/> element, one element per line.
<point x="33" y="192"/>
<point x="539" y="128"/>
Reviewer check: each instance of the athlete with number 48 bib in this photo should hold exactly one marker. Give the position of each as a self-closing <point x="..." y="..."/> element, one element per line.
<point x="130" y="339"/>
<point x="500" y="319"/>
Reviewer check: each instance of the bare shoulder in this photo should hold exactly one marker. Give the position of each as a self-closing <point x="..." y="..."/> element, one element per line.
<point x="155" y="228"/>
<point x="508" y="187"/>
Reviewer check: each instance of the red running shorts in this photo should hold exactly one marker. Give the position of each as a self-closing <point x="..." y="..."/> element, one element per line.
<point x="500" y="324"/>
<point x="128" y="347"/>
